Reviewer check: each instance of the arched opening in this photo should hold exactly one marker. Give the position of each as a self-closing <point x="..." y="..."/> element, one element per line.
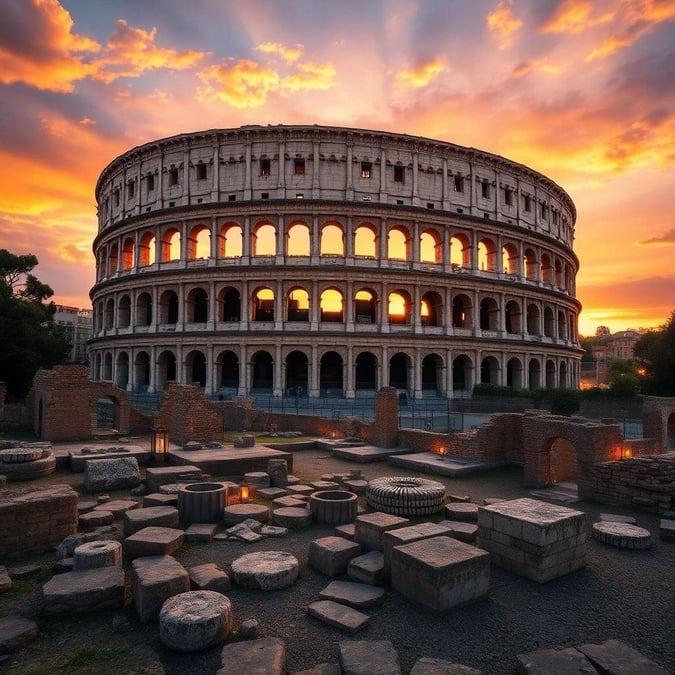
<point x="510" y="259"/>
<point x="109" y="314"/>
<point x="108" y="367"/>
<point x="546" y="269"/>
<point x="199" y="243"/>
<point x="298" y="305"/>
<point x="431" y="309"/>
<point x="298" y="240"/>
<point x="144" y="309"/>
<point x="550" y="374"/>
<point x="398" y="371"/>
<point x="461" y="311"/>
<point x="107" y="414"/>
<point x="512" y="317"/>
<point x="170" y="249"/>
<point x="562" y="325"/>
<point x="262" y="372"/>
<point x="489" y="314"/>
<point x="228" y="363"/>
<point x="531" y="267"/>
<point x="146" y="250"/>
<point x="365" y="241"/>
<point x="332" y="240"/>
<point x="195" y="367"/>
<point x="122" y="370"/>
<point x="142" y="371"/>
<point x="432" y="368"/>
<point x="514" y="373"/>
<point x="399" y="307"/>
<point x="487" y="255"/>
<point x="562" y="383"/>
<point x="534" y="374"/>
<point x="366" y="372"/>
<point x="533" y="325"/>
<point x="397" y="244"/>
<point x="264" y="240"/>
<point x="197" y="306"/>
<point x="460" y="252"/>
<point x="229" y="300"/>
<point x="263" y="305"/>
<point x="430" y="247"/>
<point x="562" y="460"/>
<point x="461" y="373"/>
<point x="549" y="322"/>
<point x="364" y="306"/>
<point x="231" y="241"/>
<point x="113" y="259"/>
<point x="489" y="370"/>
<point x="124" y="312"/>
<point x="330" y="374"/>
<point x="331" y="306"/>
<point x="166" y="369"/>
<point x="297" y="374"/>
<point x="168" y="307"/>
<point x="558" y="273"/>
<point x="128" y="254"/>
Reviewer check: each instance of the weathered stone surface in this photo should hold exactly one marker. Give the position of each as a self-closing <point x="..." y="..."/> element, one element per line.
<point x="366" y="657"/>
<point x="277" y="470"/>
<point x="368" y="568"/>
<point x="245" y="531"/>
<point x="83" y="591"/>
<point x="95" y="518"/>
<point x="347" y="531"/>
<point x="195" y="620"/>
<point x="152" y="541"/>
<point x="162" y="475"/>
<point x="200" y="532"/>
<point x="15" y="633"/>
<point x="430" y="666"/>
<point x="406" y="535"/>
<point x="111" y="474"/>
<point x="331" y="555"/>
<point x="273" y="531"/>
<point x="201" y="502"/>
<point x="265" y="570"/>
<point x="118" y="507"/>
<point x="160" y="516"/>
<point x="248" y="629"/>
<point x="209" y="577"/>
<point x="5" y="579"/>
<point x="300" y="490"/>
<point x="106" y="553"/>
<point x="335" y="507"/>
<point x="440" y="573"/>
<point x="239" y="512"/>
<point x="155" y="580"/>
<point x="622" y="535"/>
<point x="160" y="499"/>
<point x="356" y="485"/>
<point x="257" y="479"/>
<point x="617" y="658"/>
<point x="353" y="594"/>
<point x="370" y="527"/>
<point x="271" y="492"/>
<point x="321" y="669"/>
<point x="667" y="530"/>
<point x="288" y="500"/>
<point x="466" y="532"/>
<point x="292" y="517"/>
<point x="23" y="571"/>
<point x="339" y="616"/>
<point x="265" y="656"/>
<point x="559" y="661"/>
<point x="462" y="511"/>
<point x="617" y="518"/>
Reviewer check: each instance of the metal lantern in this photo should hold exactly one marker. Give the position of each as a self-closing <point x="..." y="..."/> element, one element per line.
<point x="159" y="443"/>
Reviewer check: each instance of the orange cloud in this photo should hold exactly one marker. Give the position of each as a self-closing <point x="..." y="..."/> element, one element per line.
<point x="310" y="76"/>
<point x="288" y="54"/>
<point x="245" y="84"/>
<point x="502" y="24"/>
<point x="422" y="75"/>
<point x="575" y="16"/>
<point x="666" y="239"/>
<point x="535" y="65"/>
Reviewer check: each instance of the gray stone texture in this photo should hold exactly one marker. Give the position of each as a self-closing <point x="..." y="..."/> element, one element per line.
<point x="16" y="632"/>
<point x="353" y="594"/>
<point x="155" y="580"/>
<point x="162" y="475"/>
<point x="406" y="535"/>
<point x="151" y="541"/>
<point x="265" y="656"/>
<point x="370" y="528"/>
<point x="118" y="507"/>
<point x="615" y="657"/>
<point x="367" y="568"/>
<point x="622" y="535"/>
<point x="209" y="577"/>
<point x="338" y="616"/>
<point x="331" y="555"/>
<point x="160" y="516"/>
<point x="369" y="657"/>
<point x="292" y="517"/>
<point x="83" y="591"/>
<point x="559" y="661"/>
<point x="265" y="570"/>
<point x="239" y="512"/>
<point x="95" y="518"/>
<point x="431" y="666"/>
<point x="111" y="474"/>
<point x="92" y="554"/>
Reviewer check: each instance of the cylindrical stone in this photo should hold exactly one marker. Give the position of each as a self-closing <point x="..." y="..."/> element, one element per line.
<point x="277" y="470"/>
<point x="265" y="570"/>
<point x="94" y="554"/>
<point x="257" y="479"/>
<point x="201" y="502"/>
<point x="334" y="507"/>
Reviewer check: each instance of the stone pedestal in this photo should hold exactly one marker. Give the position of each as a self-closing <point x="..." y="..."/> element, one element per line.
<point x="406" y="535"/>
<point x="370" y="528"/>
<point x="331" y="555"/>
<point x="535" y="539"/>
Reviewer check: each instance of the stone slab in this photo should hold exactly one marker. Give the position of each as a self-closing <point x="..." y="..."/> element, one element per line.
<point x="200" y="532"/>
<point x="353" y="594"/>
<point x="432" y="462"/>
<point x="300" y="490"/>
<point x="368" y="568"/>
<point x="466" y="532"/>
<point x="84" y="591"/>
<point x="271" y="492"/>
<point x="331" y="555"/>
<point x="160" y="499"/>
<point x="348" y="531"/>
<point x="16" y="632"/>
<point x="430" y="666"/>
<point x="667" y="530"/>
<point x="559" y="661"/>
<point x="292" y="517"/>
<point x="161" y="475"/>
<point x="118" y="507"/>
<point x="338" y="616"/>
<point x="265" y="570"/>
<point x="239" y="512"/>
<point x="405" y="535"/>
<point x="209" y="577"/>
<point x="462" y="511"/>
<point x="152" y="541"/>
<point x="96" y="518"/>
<point x="366" y="657"/>
<point x="622" y="535"/>
<point x="618" y="658"/>
<point x="369" y="528"/>
<point x="287" y="501"/>
<point x="111" y="474"/>
<point x="617" y="518"/>
<point x="264" y="656"/>
<point x="273" y="531"/>
<point x="159" y="516"/>
<point x="155" y="580"/>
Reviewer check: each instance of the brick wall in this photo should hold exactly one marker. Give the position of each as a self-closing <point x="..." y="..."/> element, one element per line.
<point x="35" y="520"/>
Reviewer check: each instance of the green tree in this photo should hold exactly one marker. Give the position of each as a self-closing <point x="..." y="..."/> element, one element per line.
<point x="655" y="352"/>
<point x="29" y="336"/>
<point x="624" y="381"/>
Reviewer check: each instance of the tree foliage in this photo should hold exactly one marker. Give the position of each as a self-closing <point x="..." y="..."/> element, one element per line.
<point x="29" y="336"/>
<point x="655" y="352"/>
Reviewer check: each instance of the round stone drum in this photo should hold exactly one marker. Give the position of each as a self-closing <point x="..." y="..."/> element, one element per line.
<point x="405" y="496"/>
<point x="201" y="502"/>
<point x="334" y="507"/>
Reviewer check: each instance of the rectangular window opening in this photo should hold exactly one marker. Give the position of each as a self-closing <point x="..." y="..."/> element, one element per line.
<point x="265" y="195"/>
<point x="265" y="167"/>
<point x="399" y="202"/>
<point x="131" y="189"/>
<point x="150" y="183"/>
<point x="527" y="204"/>
<point x="173" y="177"/>
<point x="366" y="169"/>
<point x="231" y="198"/>
<point x="201" y="171"/>
<point x="508" y="197"/>
<point x="299" y="195"/>
<point x="485" y="190"/>
<point x="399" y="174"/>
<point x="430" y="205"/>
<point x="459" y="183"/>
<point x="299" y="167"/>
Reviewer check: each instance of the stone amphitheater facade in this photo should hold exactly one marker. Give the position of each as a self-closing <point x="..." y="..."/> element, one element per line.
<point x="324" y="261"/>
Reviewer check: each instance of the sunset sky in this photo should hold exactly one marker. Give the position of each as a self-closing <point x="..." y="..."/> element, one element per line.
<point x="581" y="90"/>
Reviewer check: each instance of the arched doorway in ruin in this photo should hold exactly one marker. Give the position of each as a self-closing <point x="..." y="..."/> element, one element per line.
<point x="559" y="462"/>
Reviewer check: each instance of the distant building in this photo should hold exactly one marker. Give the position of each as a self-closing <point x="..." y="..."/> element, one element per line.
<point x="617" y="346"/>
<point x="79" y="325"/>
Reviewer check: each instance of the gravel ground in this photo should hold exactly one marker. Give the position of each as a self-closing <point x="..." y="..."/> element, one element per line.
<point x="621" y="594"/>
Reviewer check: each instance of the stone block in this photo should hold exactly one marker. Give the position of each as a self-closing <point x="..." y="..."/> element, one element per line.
<point x="155" y="580"/>
<point x="16" y="632"/>
<point x="153" y="541"/>
<point x="159" y="499"/>
<point x="271" y="493"/>
<point x="94" y="554"/>
<point x="118" y="507"/>
<point x="264" y="655"/>
<point x="365" y="657"/>
<point x="461" y="511"/>
<point x="369" y="528"/>
<point x="200" y="532"/>
<point x="368" y="568"/>
<point x="292" y="517"/>
<point x="238" y="513"/>
<point x="159" y="516"/>
<point x="339" y="616"/>
<point x="209" y="577"/>
<point x="430" y="666"/>
<point x="265" y="570"/>
<point x="615" y="656"/>
<point x="546" y="661"/>
<point x="331" y="555"/>
<point x="111" y="474"/>
<point x="466" y="532"/>
<point x="300" y="490"/>
<point x="348" y="531"/>
<point x="405" y="535"/>
<point x="440" y="573"/>
<point x="162" y="475"/>
<point x="92" y="519"/>
<point x="84" y="591"/>
<point x="353" y="594"/>
<point x="287" y="501"/>
<point x="667" y="530"/>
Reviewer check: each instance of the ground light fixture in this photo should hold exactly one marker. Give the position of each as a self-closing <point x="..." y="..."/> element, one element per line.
<point x="159" y="444"/>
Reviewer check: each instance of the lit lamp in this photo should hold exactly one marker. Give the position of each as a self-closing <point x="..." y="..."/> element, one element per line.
<point x="442" y="451"/>
<point x="626" y="452"/>
<point x="159" y="444"/>
<point x="244" y="493"/>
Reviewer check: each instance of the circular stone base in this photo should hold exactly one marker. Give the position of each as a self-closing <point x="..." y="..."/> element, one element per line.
<point x="36" y="468"/>
<point x="196" y="620"/>
<point x="107" y="553"/>
<point x="238" y="513"/>
<point x="292" y="517"/>
<point x="265" y="570"/>
<point x="406" y="496"/>
<point x="622" y="535"/>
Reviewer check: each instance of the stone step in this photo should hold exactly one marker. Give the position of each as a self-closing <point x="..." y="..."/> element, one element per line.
<point x="353" y="594"/>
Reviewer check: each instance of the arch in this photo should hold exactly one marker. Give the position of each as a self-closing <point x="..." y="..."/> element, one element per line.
<point x="489" y="370"/>
<point x="230" y="241"/>
<point x="297" y="304"/>
<point x="101" y="261"/>
<point x="199" y="242"/>
<point x="262" y="371"/>
<point x="107" y="367"/>
<point x="264" y="239"/>
<point x="461" y="311"/>
<point x="510" y="259"/>
<point x="430" y="247"/>
<point x="297" y="373"/>
<point x="262" y="302"/>
<point x="113" y="259"/>
<point x="432" y="370"/>
<point x="298" y="239"/>
<point x="144" y="309"/>
<point x="399" y="367"/>
<point x="142" y="371"/>
<point x="431" y="309"/>
<point x="558" y="274"/>
<point x="462" y="370"/>
<point x="128" y="250"/>
<point x="168" y="307"/>
<point x="533" y="324"/>
<point x="365" y="240"/>
<point x="330" y="374"/>
<point x="550" y="374"/>
<point x="124" y="312"/>
<point x="197" y="306"/>
<point x="562" y="325"/>
<point x="365" y="376"/>
<point x="534" y="374"/>
<point x="460" y="251"/>
<point x="398" y="242"/>
<point x="107" y="414"/>
<point x="146" y="249"/>
<point x="331" y="306"/>
<point x="546" y="269"/>
<point x="512" y="317"/>
<point x="122" y="370"/>
<point x="227" y="363"/>
<point x="561" y="456"/>
<point x="229" y="302"/>
<point x="332" y="239"/>
<point x="487" y="255"/>
<point x="195" y="368"/>
<point x="398" y="307"/>
<point x="514" y="373"/>
<point x="531" y="267"/>
<point x="109" y="314"/>
<point x="170" y="247"/>
<point x="549" y="322"/>
<point x="562" y="375"/>
<point x="489" y="314"/>
<point x="364" y="306"/>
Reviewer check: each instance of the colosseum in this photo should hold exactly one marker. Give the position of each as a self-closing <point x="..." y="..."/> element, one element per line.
<point x="328" y="262"/>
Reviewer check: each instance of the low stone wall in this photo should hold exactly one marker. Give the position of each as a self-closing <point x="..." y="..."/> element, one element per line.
<point x="35" y="520"/>
<point x="648" y="482"/>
